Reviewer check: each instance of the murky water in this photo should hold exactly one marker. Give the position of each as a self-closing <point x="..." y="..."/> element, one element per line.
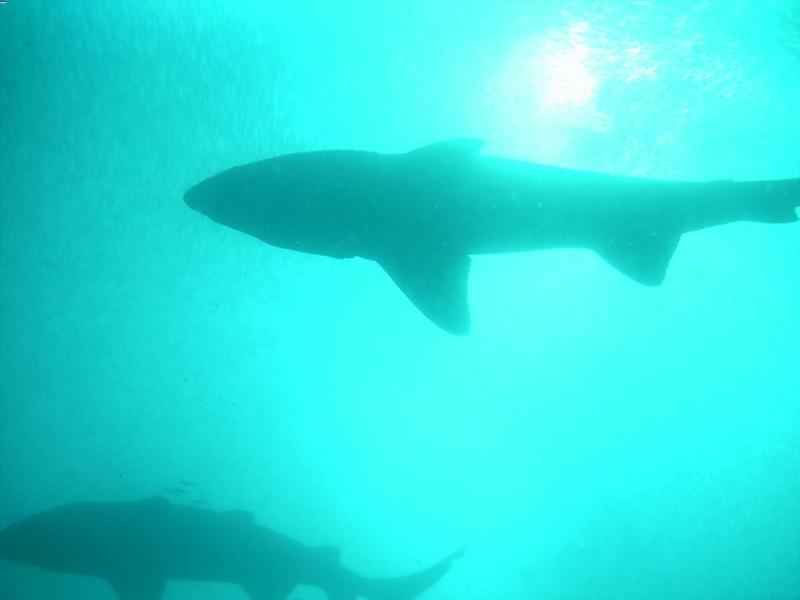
<point x="590" y="438"/>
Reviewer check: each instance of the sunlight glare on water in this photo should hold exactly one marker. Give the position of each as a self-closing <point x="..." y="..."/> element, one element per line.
<point x="565" y="68"/>
<point x="549" y="82"/>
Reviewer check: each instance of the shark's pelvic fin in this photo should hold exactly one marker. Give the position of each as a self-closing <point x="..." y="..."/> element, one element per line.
<point x="642" y="255"/>
<point x="268" y="590"/>
<point x="138" y="588"/>
<point x="436" y="282"/>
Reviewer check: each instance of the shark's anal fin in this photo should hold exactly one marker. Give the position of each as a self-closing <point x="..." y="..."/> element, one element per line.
<point x="436" y="282"/>
<point x="268" y="590"/>
<point x="643" y="255"/>
<point x="138" y="588"/>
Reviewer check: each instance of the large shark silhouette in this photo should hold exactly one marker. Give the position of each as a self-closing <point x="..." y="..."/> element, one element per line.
<point x="421" y="215"/>
<point x="137" y="546"/>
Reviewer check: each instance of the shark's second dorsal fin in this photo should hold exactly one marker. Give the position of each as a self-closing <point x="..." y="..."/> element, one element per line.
<point x="436" y="282"/>
<point x="449" y="150"/>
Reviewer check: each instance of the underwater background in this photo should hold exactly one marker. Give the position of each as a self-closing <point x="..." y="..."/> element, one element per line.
<point x="591" y="437"/>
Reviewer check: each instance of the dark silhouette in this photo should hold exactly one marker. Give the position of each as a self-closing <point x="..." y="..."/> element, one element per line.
<point x="138" y="546"/>
<point x="421" y="214"/>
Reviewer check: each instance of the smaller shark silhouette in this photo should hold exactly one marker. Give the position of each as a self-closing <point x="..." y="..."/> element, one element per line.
<point x="138" y="546"/>
<point x="421" y="215"/>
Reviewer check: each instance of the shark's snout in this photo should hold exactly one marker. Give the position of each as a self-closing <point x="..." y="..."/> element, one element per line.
<point x="4" y="544"/>
<point x="191" y="196"/>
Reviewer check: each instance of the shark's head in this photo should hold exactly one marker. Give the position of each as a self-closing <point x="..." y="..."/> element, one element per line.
<point x="227" y="198"/>
<point x="6" y="544"/>
<point x="28" y="541"/>
<point x="16" y="544"/>
<point x="71" y="538"/>
<point x="296" y="201"/>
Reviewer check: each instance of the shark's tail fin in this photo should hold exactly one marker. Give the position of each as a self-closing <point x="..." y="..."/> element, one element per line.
<point x="774" y="201"/>
<point x="721" y="202"/>
<point x="410" y="586"/>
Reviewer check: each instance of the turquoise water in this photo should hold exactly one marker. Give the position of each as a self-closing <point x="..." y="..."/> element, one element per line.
<point x="591" y="438"/>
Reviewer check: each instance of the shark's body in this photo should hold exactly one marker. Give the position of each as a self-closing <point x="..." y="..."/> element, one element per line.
<point x="421" y="215"/>
<point x="138" y="546"/>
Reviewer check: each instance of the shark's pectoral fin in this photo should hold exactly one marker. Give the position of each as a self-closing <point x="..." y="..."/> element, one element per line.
<point x="436" y="282"/>
<point x="642" y="255"/>
<point x="138" y="588"/>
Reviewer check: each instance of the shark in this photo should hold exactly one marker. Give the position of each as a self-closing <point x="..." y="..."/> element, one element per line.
<point x="421" y="215"/>
<point x="138" y="546"/>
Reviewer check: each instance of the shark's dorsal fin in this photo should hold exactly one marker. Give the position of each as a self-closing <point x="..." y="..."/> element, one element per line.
<point x="436" y="282"/>
<point x="450" y="150"/>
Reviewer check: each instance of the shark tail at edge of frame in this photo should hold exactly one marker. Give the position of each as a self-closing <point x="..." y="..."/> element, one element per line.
<point x="775" y="201"/>
<point x="409" y="586"/>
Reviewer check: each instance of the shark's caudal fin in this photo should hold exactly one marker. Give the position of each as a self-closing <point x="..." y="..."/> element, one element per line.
<point x="410" y="586"/>
<point x="721" y="202"/>
<point x="774" y="201"/>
